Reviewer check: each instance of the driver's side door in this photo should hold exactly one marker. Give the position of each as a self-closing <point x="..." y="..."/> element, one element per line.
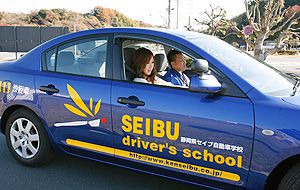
<point x="207" y="137"/>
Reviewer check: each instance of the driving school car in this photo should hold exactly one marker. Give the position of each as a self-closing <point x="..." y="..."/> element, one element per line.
<point x="235" y="127"/>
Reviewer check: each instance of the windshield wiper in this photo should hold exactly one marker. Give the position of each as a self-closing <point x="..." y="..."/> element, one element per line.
<point x="297" y="83"/>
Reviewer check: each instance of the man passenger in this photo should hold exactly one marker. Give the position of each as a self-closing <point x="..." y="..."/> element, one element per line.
<point x="175" y="74"/>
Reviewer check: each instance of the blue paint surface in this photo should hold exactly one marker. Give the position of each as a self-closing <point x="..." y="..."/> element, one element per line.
<point x="210" y="118"/>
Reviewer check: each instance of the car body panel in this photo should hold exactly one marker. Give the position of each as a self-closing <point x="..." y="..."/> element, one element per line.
<point x="17" y="88"/>
<point x="202" y="119"/>
<point x="62" y="122"/>
<point x="274" y="114"/>
<point x="104" y="130"/>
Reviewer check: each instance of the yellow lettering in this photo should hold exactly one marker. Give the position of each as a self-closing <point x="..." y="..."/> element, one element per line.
<point x="207" y="155"/>
<point x="196" y="154"/>
<point x="175" y="134"/>
<point x="153" y="146"/>
<point x="172" y="150"/>
<point x="126" y="120"/>
<point x="138" y="125"/>
<point x="158" y="128"/>
<point x="161" y="147"/>
<point x="239" y="161"/>
<point x="138" y="142"/>
<point x="186" y="153"/>
<point x="230" y="161"/>
<point x="150" y="127"/>
<point x="147" y="127"/>
<point x="4" y="87"/>
<point x="126" y="140"/>
<point x="219" y="159"/>
<point x="145" y="144"/>
<point x="8" y="87"/>
<point x="133" y="141"/>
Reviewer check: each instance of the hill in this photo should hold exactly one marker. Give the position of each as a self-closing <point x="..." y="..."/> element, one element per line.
<point x="99" y="17"/>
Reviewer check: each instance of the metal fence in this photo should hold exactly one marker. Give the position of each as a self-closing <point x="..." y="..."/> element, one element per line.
<point x="24" y="38"/>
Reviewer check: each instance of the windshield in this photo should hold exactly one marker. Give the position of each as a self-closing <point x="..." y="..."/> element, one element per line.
<point x="264" y="78"/>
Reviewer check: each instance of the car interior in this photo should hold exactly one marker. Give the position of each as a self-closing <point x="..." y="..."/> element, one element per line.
<point x="160" y="51"/>
<point x="160" y="56"/>
<point x="71" y="60"/>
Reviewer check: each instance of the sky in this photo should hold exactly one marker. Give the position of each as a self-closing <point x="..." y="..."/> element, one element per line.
<point x="150" y="11"/>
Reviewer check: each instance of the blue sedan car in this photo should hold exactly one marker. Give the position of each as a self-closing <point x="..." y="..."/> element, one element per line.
<point x="234" y="127"/>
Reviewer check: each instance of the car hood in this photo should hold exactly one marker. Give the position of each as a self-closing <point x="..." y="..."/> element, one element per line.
<point x="295" y="100"/>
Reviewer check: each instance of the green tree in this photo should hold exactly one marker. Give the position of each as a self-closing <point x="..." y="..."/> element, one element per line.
<point x="104" y="15"/>
<point x="92" y="21"/>
<point x="289" y="3"/>
<point x="111" y="17"/>
<point x="44" y="17"/>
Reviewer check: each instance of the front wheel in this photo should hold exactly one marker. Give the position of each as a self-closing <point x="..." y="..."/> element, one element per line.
<point x="291" y="180"/>
<point x="27" y="139"/>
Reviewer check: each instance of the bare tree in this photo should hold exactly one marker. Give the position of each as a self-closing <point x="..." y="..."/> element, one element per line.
<point x="268" y="18"/>
<point x="215" y="20"/>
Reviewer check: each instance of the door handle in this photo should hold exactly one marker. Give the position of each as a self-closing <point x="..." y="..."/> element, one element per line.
<point x="131" y="101"/>
<point x="50" y="89"/>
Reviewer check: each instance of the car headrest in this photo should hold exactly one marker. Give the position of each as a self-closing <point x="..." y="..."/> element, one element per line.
<point x="160" y="62"/>
<point x="128" y="52"/>
<point x="65" y="58"/>
<point x="102" y="56"/>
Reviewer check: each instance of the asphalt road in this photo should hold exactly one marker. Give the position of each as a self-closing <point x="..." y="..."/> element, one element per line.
<point x="286" y="63"/>
<point x="66" y="172"/>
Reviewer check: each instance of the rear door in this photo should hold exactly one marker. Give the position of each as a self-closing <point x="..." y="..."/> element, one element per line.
<point x="74" y="93"/>
<point x="209" y="137"/>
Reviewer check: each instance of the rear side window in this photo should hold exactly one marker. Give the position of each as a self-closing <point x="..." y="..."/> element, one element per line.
<point x="50" y="60"/>
<point x="82" y="57"/>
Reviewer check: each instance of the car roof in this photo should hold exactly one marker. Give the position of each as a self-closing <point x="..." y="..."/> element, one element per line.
<point x="174" y="34"/>
<point x="154" y="31"/>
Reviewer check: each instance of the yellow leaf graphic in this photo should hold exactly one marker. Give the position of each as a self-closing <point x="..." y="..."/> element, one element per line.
<point x="74" y="110"/>
<point x="97" y="108"/>
<point x="91" y="104"/>
<point x="77" y="100"/>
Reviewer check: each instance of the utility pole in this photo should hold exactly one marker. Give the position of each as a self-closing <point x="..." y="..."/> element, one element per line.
<point x="177" y="14"/>
<point x="189" y="23"/>
<point x="169" y="14"/>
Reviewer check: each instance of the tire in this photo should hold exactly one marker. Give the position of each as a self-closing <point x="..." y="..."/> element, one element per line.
<point x="26" y="138"/>
<point x="291" y="180"/>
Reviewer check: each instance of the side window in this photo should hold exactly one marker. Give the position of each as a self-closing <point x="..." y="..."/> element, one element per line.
<point x="83" y="57"/>
<point x="50" y="60"/>
<point x="166" y="76"/>
<point x="162" y="66"/>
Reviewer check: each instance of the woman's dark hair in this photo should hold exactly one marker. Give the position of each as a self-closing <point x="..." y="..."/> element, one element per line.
<point x="140" y="59"/>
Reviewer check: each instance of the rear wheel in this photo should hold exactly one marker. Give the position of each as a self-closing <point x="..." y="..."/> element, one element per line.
<point x="27" y="139"/>
<point x="291" y="180"/>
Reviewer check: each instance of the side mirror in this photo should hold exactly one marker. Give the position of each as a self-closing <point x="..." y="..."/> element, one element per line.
<point x="200" y="66"/>
<point x="203" y="81"/>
